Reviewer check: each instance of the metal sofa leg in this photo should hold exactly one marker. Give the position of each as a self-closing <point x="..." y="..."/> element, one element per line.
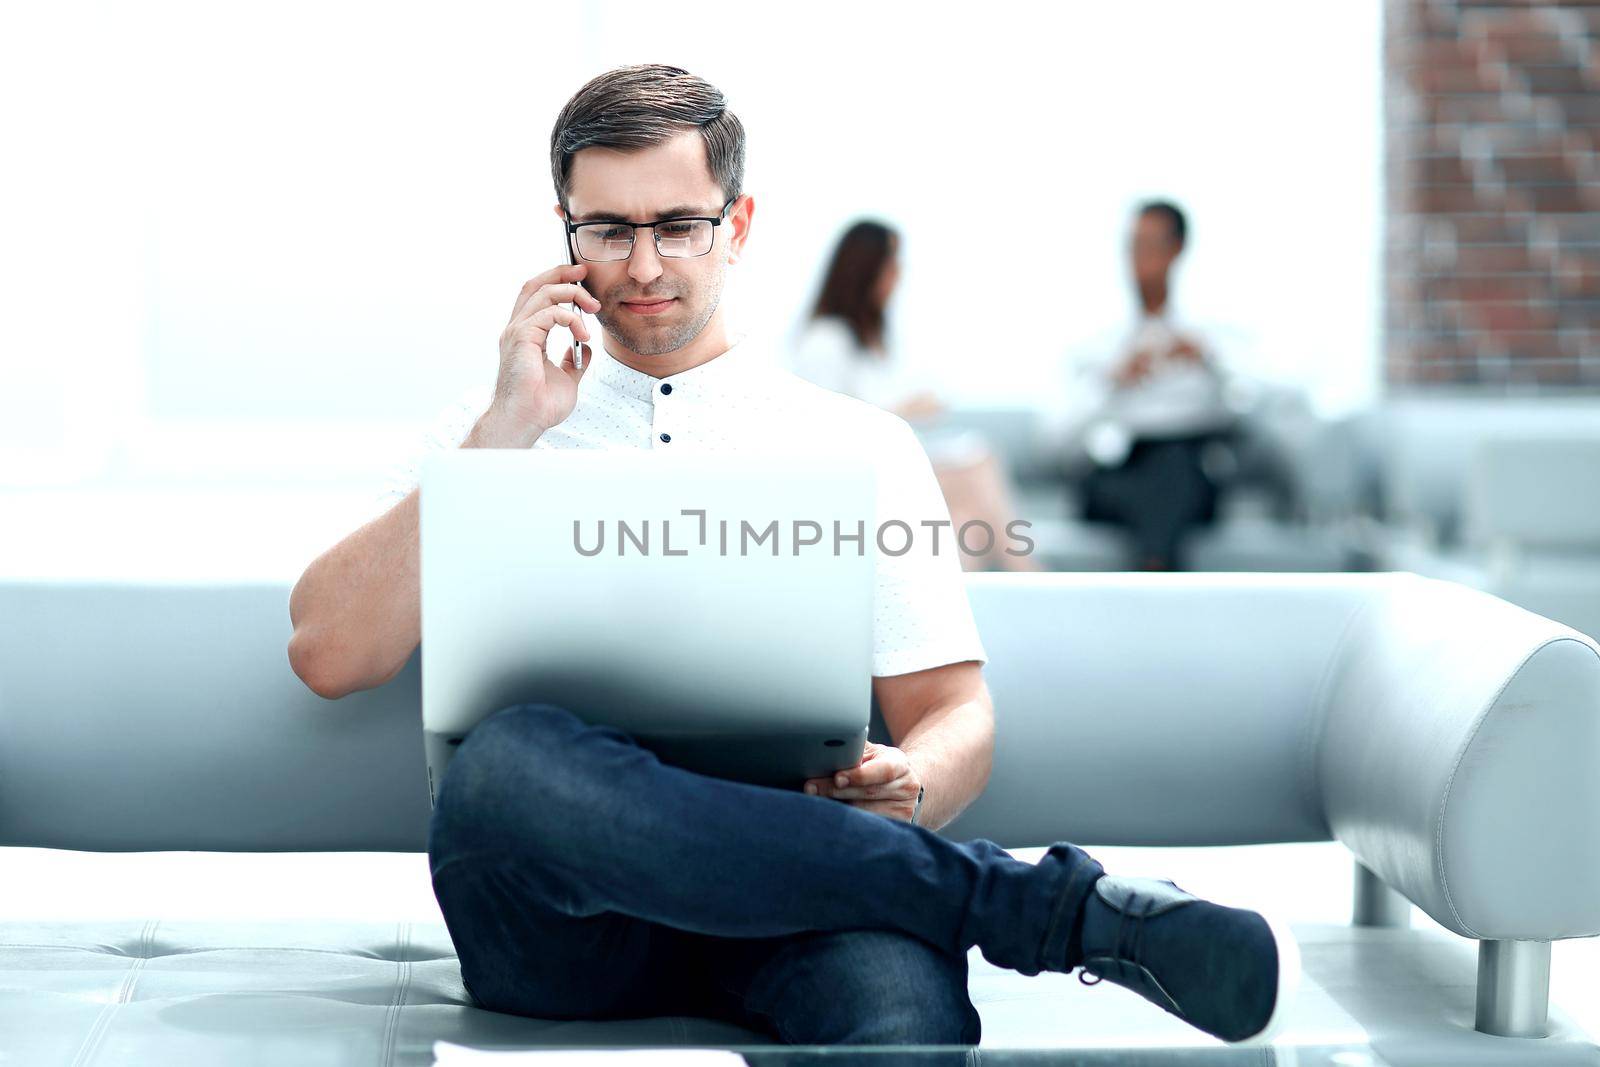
<point x="1513" y="988"/>
<point x="1378" y="905"/>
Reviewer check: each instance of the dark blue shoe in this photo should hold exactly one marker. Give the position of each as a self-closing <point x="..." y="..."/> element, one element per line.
<point x="1227" y="971"/>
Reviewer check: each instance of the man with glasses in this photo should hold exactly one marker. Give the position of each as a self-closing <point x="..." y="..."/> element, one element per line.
<point x="583" y="879"/>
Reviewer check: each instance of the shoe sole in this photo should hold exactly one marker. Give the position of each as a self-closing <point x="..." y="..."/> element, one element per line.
<point x="1288" y="982"/>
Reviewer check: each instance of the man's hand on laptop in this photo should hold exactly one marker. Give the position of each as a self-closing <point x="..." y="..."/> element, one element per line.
<point x="884" y="782"/>
<point x="532" y="393"/>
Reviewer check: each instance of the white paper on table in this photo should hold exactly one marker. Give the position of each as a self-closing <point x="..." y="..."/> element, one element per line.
<point x="446" y="1054"/>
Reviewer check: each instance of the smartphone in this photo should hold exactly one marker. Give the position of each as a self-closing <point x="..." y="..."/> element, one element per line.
<point x="572" y="259"/>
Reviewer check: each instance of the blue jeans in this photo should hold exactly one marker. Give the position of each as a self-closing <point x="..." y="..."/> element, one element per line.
<point x="581" y="878"/>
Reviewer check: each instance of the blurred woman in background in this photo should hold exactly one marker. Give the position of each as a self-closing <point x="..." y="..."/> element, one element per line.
<point x="845" y="347"/>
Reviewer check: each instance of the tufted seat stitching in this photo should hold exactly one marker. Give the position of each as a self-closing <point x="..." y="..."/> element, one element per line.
<point x="402" y="986"/>
<point x="97" y="1032"/>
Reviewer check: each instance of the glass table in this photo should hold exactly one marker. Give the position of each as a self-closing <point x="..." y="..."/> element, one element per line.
<point x="933" y="1056"/>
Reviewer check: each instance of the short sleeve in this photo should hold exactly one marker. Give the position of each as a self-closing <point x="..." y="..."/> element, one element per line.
<point x="448" y="429"/>
<point x="921" y="615"/>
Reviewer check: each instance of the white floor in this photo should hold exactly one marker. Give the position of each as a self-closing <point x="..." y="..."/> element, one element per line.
<point x="1301" y="883"/>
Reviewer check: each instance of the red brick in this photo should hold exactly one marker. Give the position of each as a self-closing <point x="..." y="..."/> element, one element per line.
<point x="1449" y="199"/>
<point x="1492" y="259"/>
<point x="1436" y="52"/>
<point x="1470" y="109"/>
<point x="1514" y="20"/>
<point x="1498" y="288"/>
<point x="1479" y="276"/>
<point x="1433" y="290"/>
<point x="1454" y="77"/>
<point x="1538" y="169"/>
<point x="1437" y="170"/>
<point x="1491" y="229"/>
<point x="1536" y="344"/>
<point x="1524" y="50"/>
<point x="1512" y="316"/>
<point x="1552" y="199"/>
<point x="1554" y="80"/>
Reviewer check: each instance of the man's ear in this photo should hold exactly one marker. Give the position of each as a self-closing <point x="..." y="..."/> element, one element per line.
<point x="556" y="207"/>
<point x="739" y="218"/>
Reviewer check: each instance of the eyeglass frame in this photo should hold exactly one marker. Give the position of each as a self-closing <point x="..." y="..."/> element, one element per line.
<point x="635" y="227"/>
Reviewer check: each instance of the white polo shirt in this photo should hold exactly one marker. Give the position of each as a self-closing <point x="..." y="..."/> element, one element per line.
<point x="734" y="403"/>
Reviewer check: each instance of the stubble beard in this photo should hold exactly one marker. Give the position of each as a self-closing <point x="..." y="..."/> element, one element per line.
<point x="642" y="336"/>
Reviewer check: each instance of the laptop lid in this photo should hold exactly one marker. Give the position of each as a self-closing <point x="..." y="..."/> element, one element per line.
<point x="674" y="595"/>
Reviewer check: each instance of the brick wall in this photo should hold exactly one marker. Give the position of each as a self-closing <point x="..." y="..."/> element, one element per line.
<point x="1492" y="173"/>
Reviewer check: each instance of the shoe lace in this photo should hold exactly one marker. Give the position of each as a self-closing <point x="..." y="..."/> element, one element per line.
<point x="1128" y="942"/>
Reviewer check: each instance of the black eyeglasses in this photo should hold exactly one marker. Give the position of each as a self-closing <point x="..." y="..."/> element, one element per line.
<point x="680" y="238"/>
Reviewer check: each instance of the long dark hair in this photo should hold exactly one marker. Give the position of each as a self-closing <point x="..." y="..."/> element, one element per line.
<point x="848" y="287"/>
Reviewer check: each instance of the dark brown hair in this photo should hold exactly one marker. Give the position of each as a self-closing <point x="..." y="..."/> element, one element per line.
<point x="848" y="288"/>
<point x="642" y="106"/>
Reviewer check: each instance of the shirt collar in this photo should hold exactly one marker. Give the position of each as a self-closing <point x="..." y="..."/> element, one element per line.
<point x="720" y="376"/>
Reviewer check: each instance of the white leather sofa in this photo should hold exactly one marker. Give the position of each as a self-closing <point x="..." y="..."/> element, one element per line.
<point x="1503" y="496"/>
<point x="1449" y="739"/>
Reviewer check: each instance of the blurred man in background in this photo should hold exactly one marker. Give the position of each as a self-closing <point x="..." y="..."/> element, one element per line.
<point x="1161" y="410"/>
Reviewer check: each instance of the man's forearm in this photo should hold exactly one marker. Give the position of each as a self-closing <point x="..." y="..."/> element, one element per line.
<point x="952" y="750"/>
<point x="356" y="608"/>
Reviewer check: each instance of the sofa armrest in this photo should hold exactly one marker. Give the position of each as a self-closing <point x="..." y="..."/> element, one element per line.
<point x="1457" y="759"/>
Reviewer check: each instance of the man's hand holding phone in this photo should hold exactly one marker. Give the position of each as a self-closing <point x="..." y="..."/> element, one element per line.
<point x="533" y="394"/>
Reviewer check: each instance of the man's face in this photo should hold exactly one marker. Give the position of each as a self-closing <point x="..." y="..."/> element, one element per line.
<point x="1153" y="248"/>
<point x="654" y="304"/>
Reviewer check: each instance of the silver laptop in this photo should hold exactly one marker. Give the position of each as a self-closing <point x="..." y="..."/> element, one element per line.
<point x="716" y="607"/>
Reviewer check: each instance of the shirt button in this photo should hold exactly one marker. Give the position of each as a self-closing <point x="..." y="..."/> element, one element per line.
<point x="666" y="388"/>
<point x="666" y="437"/>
